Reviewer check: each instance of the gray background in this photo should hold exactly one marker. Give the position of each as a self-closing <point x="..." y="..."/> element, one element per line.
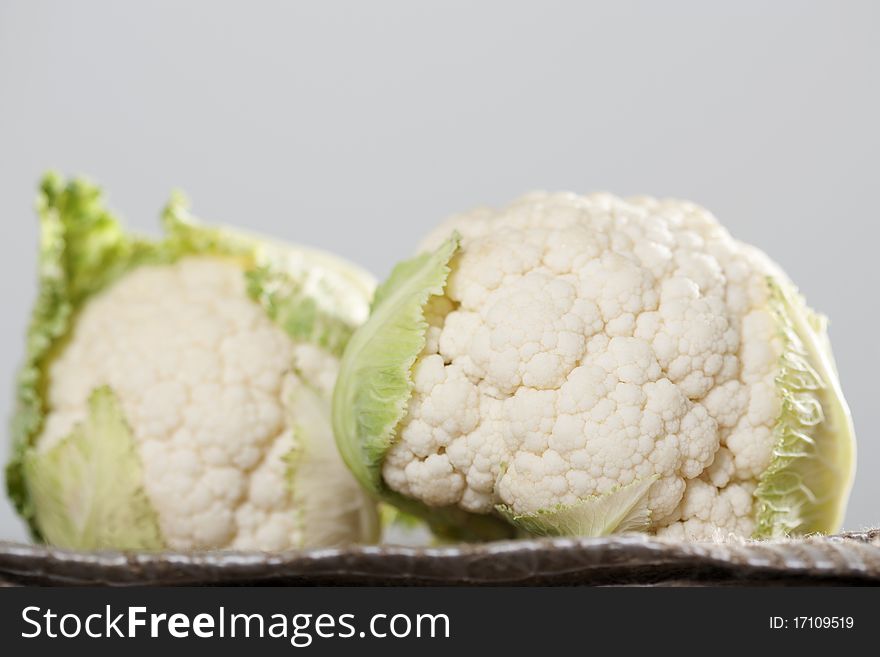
<point x="356" y="126"/>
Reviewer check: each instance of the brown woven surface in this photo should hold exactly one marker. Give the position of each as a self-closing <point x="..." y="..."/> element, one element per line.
<point x="852" y="558"/>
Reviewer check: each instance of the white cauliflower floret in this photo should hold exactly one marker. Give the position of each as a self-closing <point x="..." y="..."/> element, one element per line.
<point x="202" y="376"/>
<point x="586" y="343"/>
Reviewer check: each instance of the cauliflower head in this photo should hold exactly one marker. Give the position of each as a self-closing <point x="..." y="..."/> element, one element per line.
<point x="177" y="393"/>
<point x="581" y="365"/>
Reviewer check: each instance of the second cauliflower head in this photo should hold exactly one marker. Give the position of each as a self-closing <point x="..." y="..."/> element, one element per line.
<point x="176" y="393"/>
<point x="581" y="365"/>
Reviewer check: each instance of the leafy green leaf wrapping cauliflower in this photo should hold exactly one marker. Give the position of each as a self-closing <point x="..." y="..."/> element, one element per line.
<point x="584" y="365"/>
<point x="176" y="392"/>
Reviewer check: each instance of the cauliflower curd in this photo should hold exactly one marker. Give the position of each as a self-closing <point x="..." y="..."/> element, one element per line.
<point x="177" y="392"/>
<point x="202" y="377"/>
<point x="592" y="364"/>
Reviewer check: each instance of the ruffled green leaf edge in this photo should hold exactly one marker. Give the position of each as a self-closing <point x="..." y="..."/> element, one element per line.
<point x="807" y="484"/>
<point x="84" y="248"/>
<point x="375" y="384"/>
